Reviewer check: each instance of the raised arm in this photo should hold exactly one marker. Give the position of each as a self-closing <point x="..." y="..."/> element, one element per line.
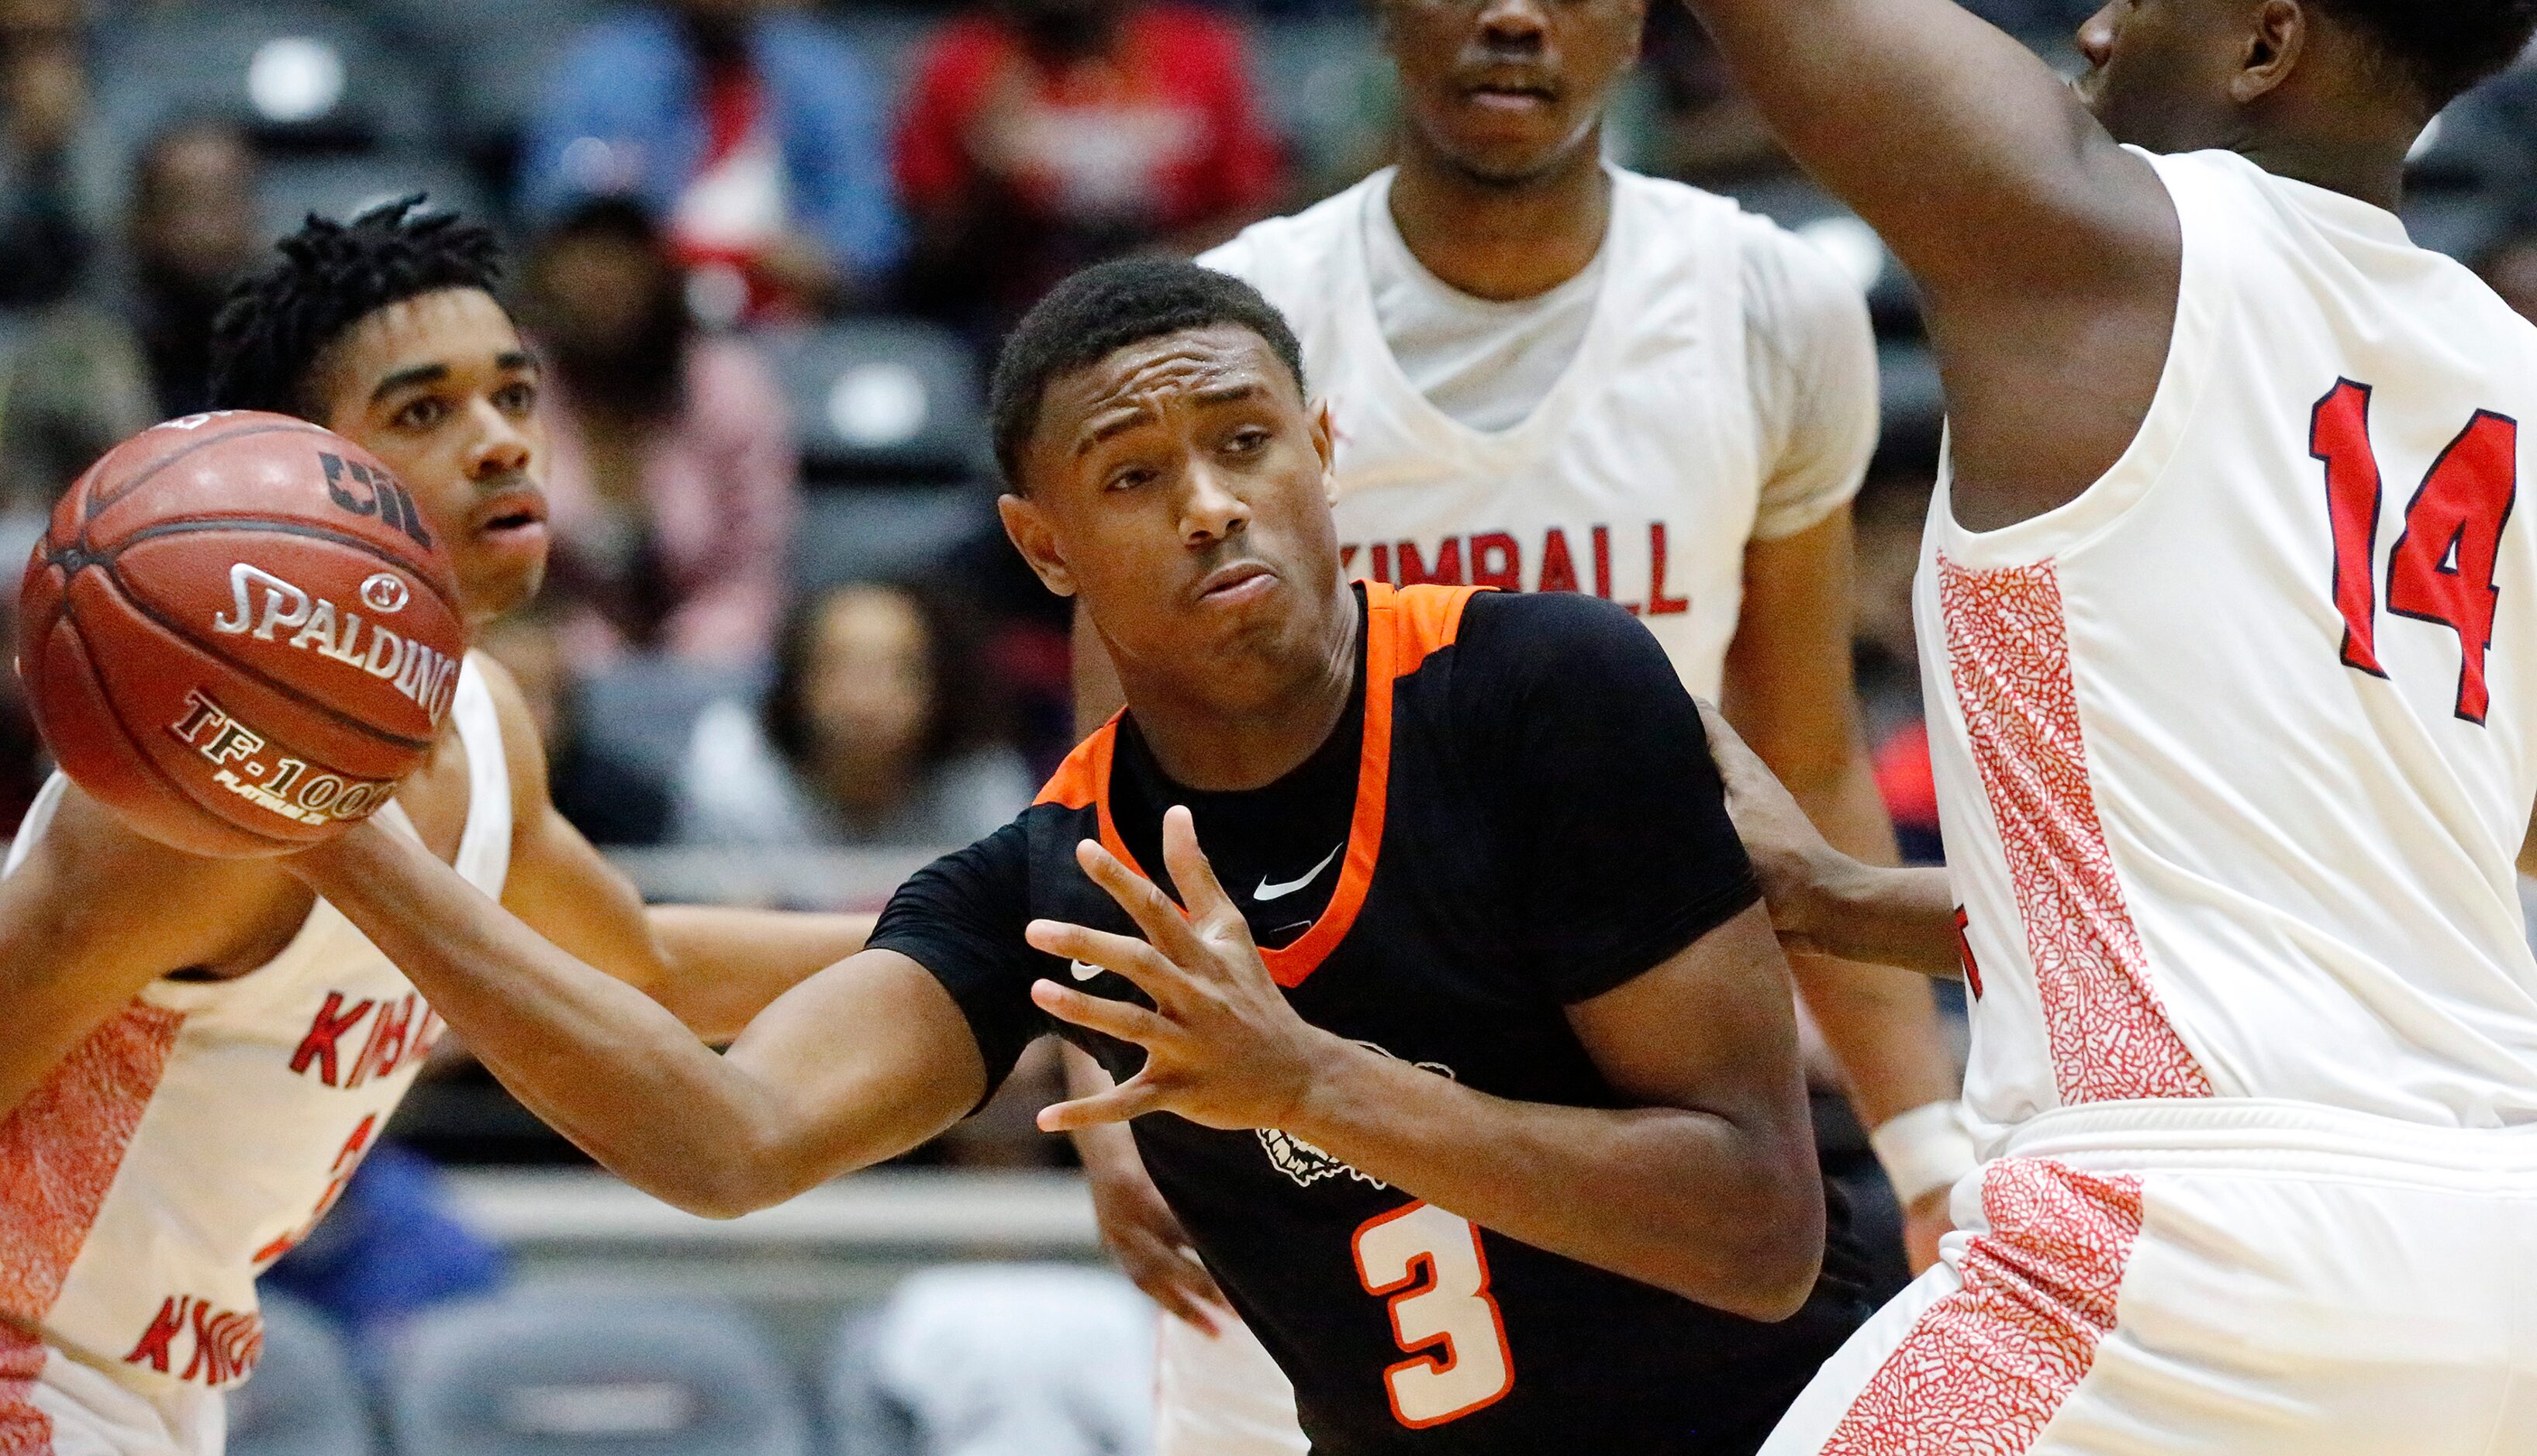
<point x="858" y="1063"/>
<point x="2048" y="256"/>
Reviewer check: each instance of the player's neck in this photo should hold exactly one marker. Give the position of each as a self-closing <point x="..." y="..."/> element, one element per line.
<point x="2374" y="173"/>
<point x="1501" y="241"/>
<point x="1241" y="726"/>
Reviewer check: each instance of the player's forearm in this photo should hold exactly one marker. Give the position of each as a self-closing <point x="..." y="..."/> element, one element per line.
<point x="1884" y="916"/>
<point x="594" y="1057"/>
<point x="1726" y="1210"/>
<point x="726" y="965"/>
<point x="1880" y="1021"/>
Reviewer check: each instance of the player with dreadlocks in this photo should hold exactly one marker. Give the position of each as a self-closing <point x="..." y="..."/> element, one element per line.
<point x="199" y="1052"/>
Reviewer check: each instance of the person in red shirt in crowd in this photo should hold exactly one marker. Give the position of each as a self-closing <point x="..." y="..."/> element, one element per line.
<point x="1043" y="135"/>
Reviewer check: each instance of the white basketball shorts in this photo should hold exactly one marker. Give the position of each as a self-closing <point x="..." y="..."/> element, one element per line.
<point x="1222" y="1395"/>
<point x="2193" y="1279"/>
<point x="51" y="1404"/>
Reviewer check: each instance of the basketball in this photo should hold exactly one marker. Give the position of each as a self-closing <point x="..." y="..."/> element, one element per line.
<point x="238" y="633"/>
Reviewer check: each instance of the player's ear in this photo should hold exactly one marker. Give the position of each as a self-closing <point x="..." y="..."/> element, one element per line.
<point x="1027" y="525"/>
<point x="1325" y="434"/>
<point x="2273" y="46"/>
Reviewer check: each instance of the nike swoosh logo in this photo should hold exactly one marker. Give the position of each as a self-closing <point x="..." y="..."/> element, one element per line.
<point x="1268" y="890"/>
<point x="1084" y="969"/>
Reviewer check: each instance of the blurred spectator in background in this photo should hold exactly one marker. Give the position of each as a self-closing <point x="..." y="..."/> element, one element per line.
<point x="672" y="472"/>
<point x="610" y="801"/>
<point x="43" y="102"/>
<point x="883" y="726"/>
<point x="1043" y="135"/>
<point x="2510" y="267"/>
<point x="754" y="132"/>
<point x="135" y="350"/>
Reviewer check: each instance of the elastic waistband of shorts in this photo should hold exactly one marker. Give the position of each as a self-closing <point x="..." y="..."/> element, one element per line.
<point x="2261" y="1135"/>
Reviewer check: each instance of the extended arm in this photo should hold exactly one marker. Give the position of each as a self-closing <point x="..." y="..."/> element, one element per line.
<point x="858" y="1063"/>
<point x="1822" y="900"/>
<point x="1706" y="1188"/>
<point x="714" y="968"/>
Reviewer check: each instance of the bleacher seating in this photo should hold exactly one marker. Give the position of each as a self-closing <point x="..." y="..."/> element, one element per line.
<point x="861" y="1418"/>
<point x="555" y="1371"/>
<point x="299" y="77"/>
<point x="882" y="401"/>
<point x="641" y="711"/>
<point x="304" y="1399"/>
<point x="292" y="187"/>
<point x="1053" y="1360"/>
<point x="879" y="532"/>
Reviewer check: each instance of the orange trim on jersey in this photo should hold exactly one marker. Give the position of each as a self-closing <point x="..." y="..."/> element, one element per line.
<point x="1083" y="780"/>
<point x="1403" y="626"/>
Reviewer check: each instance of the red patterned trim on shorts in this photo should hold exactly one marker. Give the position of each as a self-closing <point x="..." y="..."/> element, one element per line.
<point x="1985" y="1368"/>
<point x="60" y="1150"/>
<point x="2010" y="660"/>
<point x="24" y="1429"/>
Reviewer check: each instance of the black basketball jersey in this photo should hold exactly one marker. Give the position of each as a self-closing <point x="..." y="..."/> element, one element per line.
<point x="1532" y="820"/>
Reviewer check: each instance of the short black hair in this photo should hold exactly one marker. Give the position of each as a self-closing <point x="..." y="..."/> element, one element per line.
<point x="1107" y="307"/>
<point x="330" y="277"/>
<point x="2444" y="46"/>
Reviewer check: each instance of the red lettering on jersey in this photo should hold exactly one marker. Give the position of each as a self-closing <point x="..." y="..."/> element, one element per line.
<point x="1347" y="556"/>
<point x="1604" y="568"/>
<point x="1558" y="568"/>
<point x="2339" y="435"/>
<point x="163" y="1332"/>
<point x="2441" y="568"/>
<point x="226" y="1345"/>
<point x="1497" y="561"/>
<point x="323" y="1033"/>
<point x="1379" y="560"/>
<point x="347" y="1162"/>
<point x="386" y="1045"/>
<point x="1449" y="564"/>
<point x="428" y="1035"/>
<point x="1965" y="953"/>
<point x="1658" y="604"/>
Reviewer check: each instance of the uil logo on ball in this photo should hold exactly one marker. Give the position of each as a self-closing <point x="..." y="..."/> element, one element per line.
<point x="385" y="592"/>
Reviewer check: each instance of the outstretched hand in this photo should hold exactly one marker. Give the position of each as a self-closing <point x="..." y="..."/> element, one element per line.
<point x="1222" y="1046"/>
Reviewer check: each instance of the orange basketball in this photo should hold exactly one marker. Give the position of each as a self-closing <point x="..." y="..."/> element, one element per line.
<point x="238" y="633"/>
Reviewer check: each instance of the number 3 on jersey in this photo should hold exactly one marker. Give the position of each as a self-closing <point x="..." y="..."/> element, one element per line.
<point x="2441" y="569"/>
<point x="1431" y="1266"/>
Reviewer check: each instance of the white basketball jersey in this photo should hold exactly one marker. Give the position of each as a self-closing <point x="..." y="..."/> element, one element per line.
<point x="192" y="1141"/>
<point x="1637" y="479"/>
<point x="2235" y="751"/>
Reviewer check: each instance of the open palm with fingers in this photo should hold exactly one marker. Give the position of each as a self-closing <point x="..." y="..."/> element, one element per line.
<point x="1222" y="1046"/>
